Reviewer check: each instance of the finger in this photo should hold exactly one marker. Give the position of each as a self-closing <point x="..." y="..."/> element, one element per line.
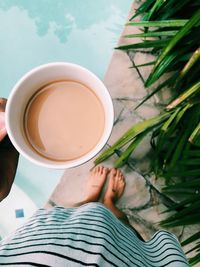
<point x="3" y="131"/>
<point x="2" y="104"/>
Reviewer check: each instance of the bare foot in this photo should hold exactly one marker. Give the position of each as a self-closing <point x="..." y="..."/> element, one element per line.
<point x="115" y="187"/>
<point x="114" y="191"/>
<point x="95" y="182"/>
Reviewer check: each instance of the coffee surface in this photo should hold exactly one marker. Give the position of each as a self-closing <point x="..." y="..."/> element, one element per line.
<point x="64" y="120"/>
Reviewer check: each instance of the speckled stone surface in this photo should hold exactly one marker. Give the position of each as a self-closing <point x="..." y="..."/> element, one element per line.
<point x="142" y="200"/>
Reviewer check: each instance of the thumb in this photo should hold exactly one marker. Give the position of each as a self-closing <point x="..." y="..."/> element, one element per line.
<point x="3" y="131"/>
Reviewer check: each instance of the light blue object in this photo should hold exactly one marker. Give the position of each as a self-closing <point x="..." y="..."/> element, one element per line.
<point x="19" y="213"/>
<point x="42" y="31"/>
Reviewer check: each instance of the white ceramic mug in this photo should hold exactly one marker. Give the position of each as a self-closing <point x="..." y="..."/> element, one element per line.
<point x="29" y="84"/>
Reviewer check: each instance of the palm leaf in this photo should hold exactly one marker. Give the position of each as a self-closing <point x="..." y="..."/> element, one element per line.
<point x="185" y="184"/>
<point x="185" y="96"/>
<point x="195" y="56"/>
<point x="195" y="136"/>
<point x="144" y="65"/>
<point x="151" y="34"/>
<point x="161" y="23"/>
<point x="193" y="153"/>
<point x="183" y="192"/>
<point x="131" y="134"/>
<point x="186" y="28"/>
<point x="170" y="63"/>
<point x="194" y="260"/>
<point x="157" y="5"/>
<point x="167" y="130"/>
<point x="126" y="154"/>
<point x="167" y="82"/>
<point x="178" y="151"/>
<point x="191" y="219"/>
<point x="146" y="44"/>
<point x="197" y="247"/>
<point x="185" y="173"/>
<point x="163" y="130"/>
<point x="182" y="204"/>
<point x="172" y="7"/>
<point x="190" y="162"/>
<point x="143" y="8"/>
<point x="192" y="238"/>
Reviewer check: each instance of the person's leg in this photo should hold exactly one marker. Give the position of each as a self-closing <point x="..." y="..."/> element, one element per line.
<point x="114" y="191"/>
<point x="94" y="185"/>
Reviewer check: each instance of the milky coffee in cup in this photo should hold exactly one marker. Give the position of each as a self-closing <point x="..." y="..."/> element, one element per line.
<point x="63" y="120"/>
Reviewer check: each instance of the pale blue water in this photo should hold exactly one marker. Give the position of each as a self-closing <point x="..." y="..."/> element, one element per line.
<point x="33" y="32"/>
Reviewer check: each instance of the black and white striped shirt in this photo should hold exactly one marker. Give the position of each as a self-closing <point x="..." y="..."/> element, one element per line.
<point x="86" y="236"/>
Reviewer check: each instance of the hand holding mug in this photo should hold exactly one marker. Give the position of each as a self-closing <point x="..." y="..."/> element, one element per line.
<point x="3" y="131"/>
<point x="8" y="156"/>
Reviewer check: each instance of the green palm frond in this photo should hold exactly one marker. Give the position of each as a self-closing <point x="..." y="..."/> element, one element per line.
<point x="160" y="23"/>
<point x="195" y="136"/>
<point x="132" y="133"/>
<point x="194" y="58"/>
<point x="144" y="65"/>
<point x="195" y="20"/>
<point x="167" y="83"/>
<point x="129" y="150"/>
<point x="145" y="44"/>
<point x="195" y="89"/>
<point x="151" y="34"/>
<point x="192" y="238"/>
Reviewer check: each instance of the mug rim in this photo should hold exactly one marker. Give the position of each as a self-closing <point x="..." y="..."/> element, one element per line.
<point x="65" y="165"/>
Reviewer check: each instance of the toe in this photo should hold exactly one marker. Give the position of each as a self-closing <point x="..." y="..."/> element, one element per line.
<point x="122" y="182"/>
<point x="105" y="171"/>
<point x="98" y="169"/>
<point x="102" y="169"/>
<point x="122" y="176"/>
<point x="118" y="174"/>
<point x="111" y="181"/>
<point x="113" y="172"/>
<point x="94" y="170"/>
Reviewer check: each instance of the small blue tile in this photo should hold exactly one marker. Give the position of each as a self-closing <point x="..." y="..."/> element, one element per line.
<point x="19" y="213"/>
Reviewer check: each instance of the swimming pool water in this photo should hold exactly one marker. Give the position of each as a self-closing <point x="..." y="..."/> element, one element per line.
<point x="42" y="31"/>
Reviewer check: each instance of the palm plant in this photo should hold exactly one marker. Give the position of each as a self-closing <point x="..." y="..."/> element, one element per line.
<point x="170" y="29"/>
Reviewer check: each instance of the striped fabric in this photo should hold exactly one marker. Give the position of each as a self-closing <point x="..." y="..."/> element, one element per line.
<point x="86" y="236"/>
